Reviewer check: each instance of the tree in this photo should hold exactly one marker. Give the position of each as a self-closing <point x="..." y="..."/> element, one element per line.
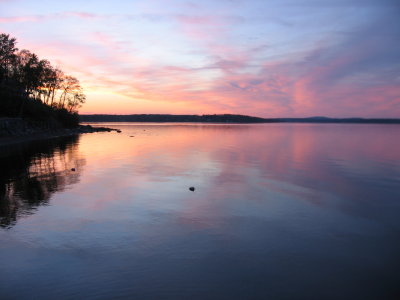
<point x="29" y="70"/>
<point x="57" y="80"/>
<point x="32" y="86"/>
<point x="76" y="101"/>
<point x="69" y="86"/>
<point x="7" y="56"/>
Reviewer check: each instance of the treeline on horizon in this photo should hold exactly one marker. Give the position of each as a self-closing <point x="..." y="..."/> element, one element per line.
<point x="32" y="88"/>
<point x="224" y="118"/>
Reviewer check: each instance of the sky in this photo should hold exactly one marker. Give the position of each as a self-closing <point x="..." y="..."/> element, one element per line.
<point x="267" y="58"/>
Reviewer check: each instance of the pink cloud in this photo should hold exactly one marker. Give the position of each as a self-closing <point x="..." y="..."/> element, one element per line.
<point x="42" y="18"/>
<point x="36" y="18"/>
<point x="197" y="20"/>
<point x="350" y="78"/>
<point x="82" y="15"/>
<point x="274" y="91"/>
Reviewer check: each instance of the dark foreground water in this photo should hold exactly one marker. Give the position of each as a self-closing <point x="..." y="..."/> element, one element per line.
<point x="279" y="211"/>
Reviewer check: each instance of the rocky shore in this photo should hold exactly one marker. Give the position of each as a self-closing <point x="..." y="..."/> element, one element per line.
<point x="15" y="130"/>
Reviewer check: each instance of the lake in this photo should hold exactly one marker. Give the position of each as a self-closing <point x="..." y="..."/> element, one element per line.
<point x="279" y="211"/>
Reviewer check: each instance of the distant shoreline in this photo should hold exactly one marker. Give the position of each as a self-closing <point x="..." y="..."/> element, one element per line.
<point x="226" y="118"/>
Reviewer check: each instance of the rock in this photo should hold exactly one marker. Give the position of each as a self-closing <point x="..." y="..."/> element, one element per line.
<point x="73" y="170"/>
<point x="192" y="188"/>
<point x="119" y="131"/>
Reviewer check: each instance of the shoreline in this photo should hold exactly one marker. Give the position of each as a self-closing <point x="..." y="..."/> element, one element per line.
<point x="227" y="119"/>
<point x="51" y="134"/>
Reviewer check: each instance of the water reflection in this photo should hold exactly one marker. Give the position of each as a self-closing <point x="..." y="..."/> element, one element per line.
<point x="310" y="207"/>
<point x="32" y="172"/>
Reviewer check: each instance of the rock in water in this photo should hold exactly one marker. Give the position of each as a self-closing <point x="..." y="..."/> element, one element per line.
<point x="192" y="188"/>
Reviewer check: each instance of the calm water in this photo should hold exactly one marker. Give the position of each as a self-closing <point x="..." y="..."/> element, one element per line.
<point x="279" y="211"/>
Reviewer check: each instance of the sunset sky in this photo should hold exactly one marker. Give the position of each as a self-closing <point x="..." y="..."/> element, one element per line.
<point x="267" y="58"/>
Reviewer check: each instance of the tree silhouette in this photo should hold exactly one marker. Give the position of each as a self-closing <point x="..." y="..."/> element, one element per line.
<point x="25" y="79"/>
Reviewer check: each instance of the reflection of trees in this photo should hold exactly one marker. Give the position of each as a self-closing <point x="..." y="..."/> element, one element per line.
<point x="31" y="173"/>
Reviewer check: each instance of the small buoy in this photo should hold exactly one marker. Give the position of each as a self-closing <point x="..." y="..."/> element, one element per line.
<point x="192" y="188"/>
<point x="73" y="169"/>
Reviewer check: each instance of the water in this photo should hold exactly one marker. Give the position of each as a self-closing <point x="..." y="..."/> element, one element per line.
<point x="279" y="211"/>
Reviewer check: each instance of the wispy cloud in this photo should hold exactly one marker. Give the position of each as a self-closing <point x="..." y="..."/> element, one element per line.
<point x="43" y="18"/>
<point x="233" y="60"/>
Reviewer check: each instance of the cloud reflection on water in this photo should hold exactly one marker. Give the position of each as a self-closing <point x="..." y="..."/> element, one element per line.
<point x="275" y="205"/>
<point x="314" y="163"/>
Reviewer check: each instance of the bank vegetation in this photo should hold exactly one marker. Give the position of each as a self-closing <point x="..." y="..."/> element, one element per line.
<point x="32" y="88"/>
